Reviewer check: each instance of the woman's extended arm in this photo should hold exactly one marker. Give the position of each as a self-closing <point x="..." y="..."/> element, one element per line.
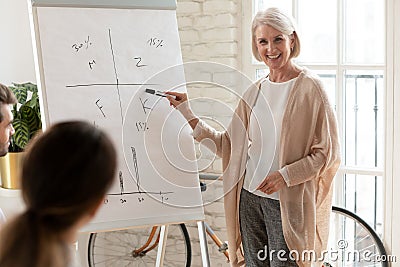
<point x="181" y="103"/>
<point x="216" y="141"/>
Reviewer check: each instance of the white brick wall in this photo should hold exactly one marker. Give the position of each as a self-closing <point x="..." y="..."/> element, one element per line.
<point x="220" y="6"/>
<point x="209" y="24"/>
<point x="209" y="31"/>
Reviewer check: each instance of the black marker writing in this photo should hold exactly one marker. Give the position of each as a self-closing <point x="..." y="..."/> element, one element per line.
<point x="139" y="59"/>
<point x="121" y="182"/>
<point x="163" y="198"/>
<point x="91" y="64"/>
<point x="144" y="105"/>
<point x="116" y="76"/>
<point x="155" y="42"/>
<point x="135" y="166"/>
<point x="141" y="126"/>
<point x="85" y="44"/>
<point x="100" y="107"/>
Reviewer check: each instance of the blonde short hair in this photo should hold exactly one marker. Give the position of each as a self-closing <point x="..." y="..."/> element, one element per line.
<point x="278" y="20"/>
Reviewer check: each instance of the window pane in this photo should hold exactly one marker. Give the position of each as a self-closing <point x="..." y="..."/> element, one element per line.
<point x="328" y="78"/>
<point x="285" y="5"/>
<point x="363" y="125"/>
<point x="364" y="31"/>
<point x="363" y="195"/>
<point x="317" y="31"/>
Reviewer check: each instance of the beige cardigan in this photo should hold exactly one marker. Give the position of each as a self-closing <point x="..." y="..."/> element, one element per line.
<point x="309" y="148"/>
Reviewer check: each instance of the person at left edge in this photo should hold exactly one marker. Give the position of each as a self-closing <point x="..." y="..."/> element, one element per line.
<point x="7" y="98"/>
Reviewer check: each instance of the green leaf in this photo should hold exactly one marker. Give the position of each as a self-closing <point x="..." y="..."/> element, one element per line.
<point x="21" y="135"/>
<point x="33" y="102"/>
<point x="31" y="118"/>
<point x="28" y="86"/>
<point x="27" y="119"/>
<point x="13" y="147"/>
<point x="20" y="93"/>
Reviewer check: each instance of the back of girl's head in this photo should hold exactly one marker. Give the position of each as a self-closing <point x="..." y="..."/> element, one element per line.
<point x="66" y="173"/>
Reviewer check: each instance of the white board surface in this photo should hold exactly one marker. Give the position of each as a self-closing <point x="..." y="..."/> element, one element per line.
<point x="94" y="65"/>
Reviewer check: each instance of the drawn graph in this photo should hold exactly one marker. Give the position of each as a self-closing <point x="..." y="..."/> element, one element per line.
<point x="116" y="83"/>
<point x="141" y="125"/>
<point x="139" y="191"/>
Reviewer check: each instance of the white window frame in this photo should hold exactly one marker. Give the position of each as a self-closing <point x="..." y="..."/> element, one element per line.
<point x="392" y="110"/>
<point x="392" y="160"/>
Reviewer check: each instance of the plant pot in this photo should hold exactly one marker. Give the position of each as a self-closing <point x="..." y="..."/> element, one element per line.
<point x="10" y="170"/>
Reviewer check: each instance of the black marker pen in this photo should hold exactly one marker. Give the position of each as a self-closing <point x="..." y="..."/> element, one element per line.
<point x="157" y="93"/>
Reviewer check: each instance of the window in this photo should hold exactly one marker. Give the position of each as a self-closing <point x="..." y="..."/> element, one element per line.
<point x="343" y="41"/>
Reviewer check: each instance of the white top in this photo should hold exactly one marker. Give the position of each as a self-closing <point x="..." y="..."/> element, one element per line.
<point x="264" y="132"/>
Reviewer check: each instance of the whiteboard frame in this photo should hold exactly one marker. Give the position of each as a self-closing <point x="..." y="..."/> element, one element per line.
<point x="37" y="57"/>
<point x="126" y="224"/>
<point x="136" y="4"/>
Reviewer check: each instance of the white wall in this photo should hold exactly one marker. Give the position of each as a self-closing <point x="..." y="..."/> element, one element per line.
<point x="16" y="56"/>
<point x="210" y="30"/>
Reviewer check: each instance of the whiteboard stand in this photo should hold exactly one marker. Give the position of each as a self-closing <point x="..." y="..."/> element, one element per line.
<point x="161" y="245"/>
<point x="203" y="245"/>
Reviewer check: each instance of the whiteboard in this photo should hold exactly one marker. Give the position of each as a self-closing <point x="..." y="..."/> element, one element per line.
<point x="95" y="64"/>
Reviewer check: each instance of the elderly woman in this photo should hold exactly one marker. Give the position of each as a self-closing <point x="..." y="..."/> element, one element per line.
<point x="276" y="213"/>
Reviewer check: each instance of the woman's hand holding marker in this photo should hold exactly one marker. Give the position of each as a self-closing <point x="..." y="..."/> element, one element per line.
<point x="180" y="101"/>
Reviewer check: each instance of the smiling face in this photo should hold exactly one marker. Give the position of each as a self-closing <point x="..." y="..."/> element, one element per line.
<point x="6" y="129"/>
<point x="274" y="47"/>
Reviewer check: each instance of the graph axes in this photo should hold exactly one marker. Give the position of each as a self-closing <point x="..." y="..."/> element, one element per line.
<point x="135" y="193"/>
<point x="109" y="84"/>
<point x="121" y="181"/>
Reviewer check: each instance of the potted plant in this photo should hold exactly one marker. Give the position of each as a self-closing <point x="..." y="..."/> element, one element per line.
<point x="26" y="114"/>
<point x="27" y="122"/>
